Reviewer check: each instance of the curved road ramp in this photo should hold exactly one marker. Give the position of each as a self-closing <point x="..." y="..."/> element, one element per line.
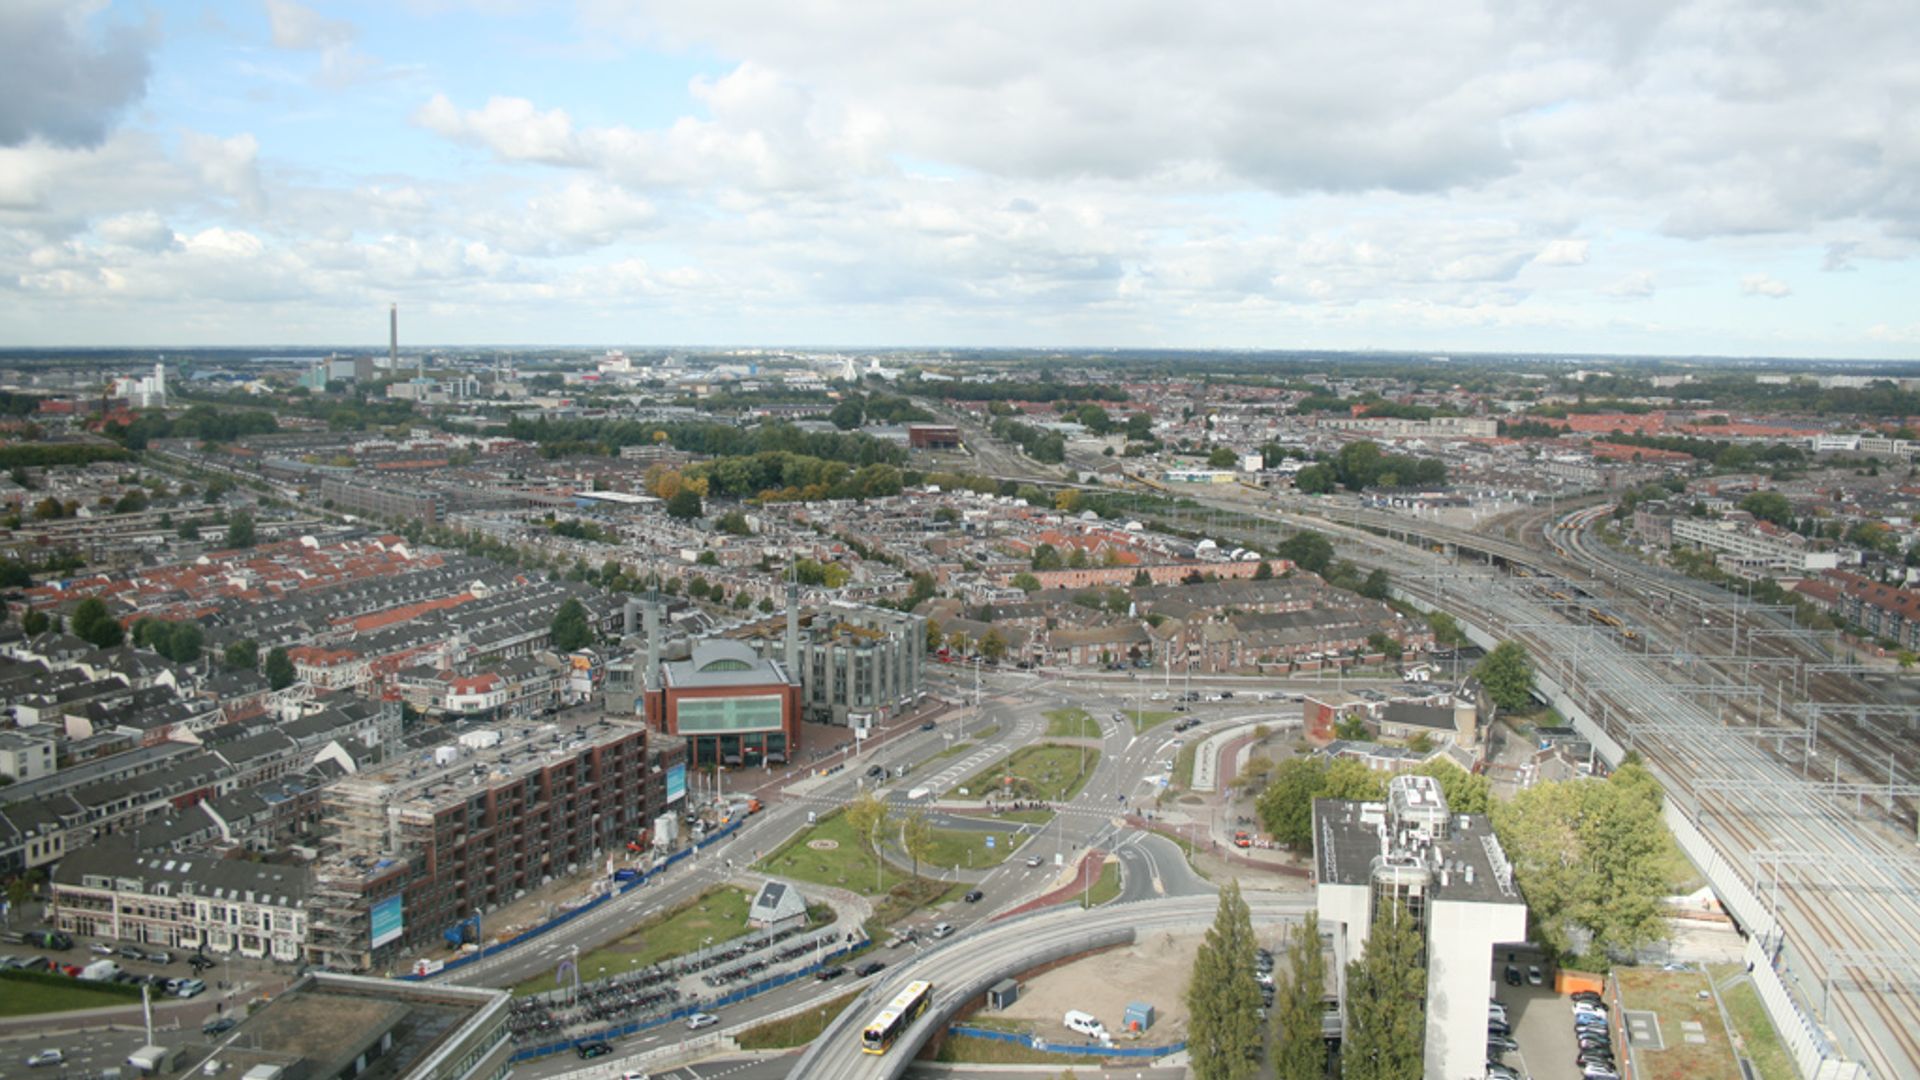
<point x="963" y="968"/>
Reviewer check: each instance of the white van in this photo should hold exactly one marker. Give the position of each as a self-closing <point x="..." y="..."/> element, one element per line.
<point x="1085" y="1024"/>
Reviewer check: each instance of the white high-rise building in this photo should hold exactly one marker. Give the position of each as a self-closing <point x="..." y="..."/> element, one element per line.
<point x="144" y="393"/>
<point x="1455" y="881"/>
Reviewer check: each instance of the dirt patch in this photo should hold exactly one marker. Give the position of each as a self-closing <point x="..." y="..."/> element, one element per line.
<point x="1152" y="970"/>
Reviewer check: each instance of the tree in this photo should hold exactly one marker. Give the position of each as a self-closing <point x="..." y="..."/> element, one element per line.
<point x="189" y="530"/>
<point x="1223" y="458"/>
<point x="1507" y="673"/>
<point x="864" y="815"/>
<point x="1769" y="506"/>
<point x="1140" y="427"/>
<point x="1446" y="630"/>
<point x="1315" y="480"/>
<point x="1386" y="1000"/>
<point x="848" y="415"/>
<point x="1467" y="793"/>
<point x="1300" y="1052"/>
<point x="993" y="645"/>
<point x="1376" y="586"/>
<point x="570" y="629"/>
<point x="33" y="623"/>
<point x="1142" y="579"/>
<point x="934" y="634"/>
<point x="240" y="530"/>
<point x="1026" y="582"/>
<point x="1223" y="1000"/>
<point x="1352" y="728"/>
<point x="1308" y="550"/>
<point x="916" y="837"/>
<point x="1263" y="572"/>
<point x="733" y="523"/>
<point x="685" y="505"/>
<point x="93" y="624"/>
<point x="1047" y="557"/>
<point x="280" y="671"/>
<point x="243" y="654"/>
<point x="1286" y="807"/>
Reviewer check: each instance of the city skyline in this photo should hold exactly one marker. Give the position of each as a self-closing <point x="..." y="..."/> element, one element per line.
<point x="1701" y="179"/>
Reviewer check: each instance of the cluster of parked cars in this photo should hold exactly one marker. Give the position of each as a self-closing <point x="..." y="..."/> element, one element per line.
<point x="1595" y="1034"/>
<point x="1500" y="1042"/>
<point x="1263" y="974"/>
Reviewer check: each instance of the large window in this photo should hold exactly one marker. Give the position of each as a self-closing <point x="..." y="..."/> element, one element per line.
<point x="713" y="716"/>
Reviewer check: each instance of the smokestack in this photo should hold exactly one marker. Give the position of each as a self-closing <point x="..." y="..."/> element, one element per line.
<point x="793" y="628"/>
<point x="393" y="336"/>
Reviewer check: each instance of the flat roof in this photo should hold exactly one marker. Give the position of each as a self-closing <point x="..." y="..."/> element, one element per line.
<point x="1347" y="843"/>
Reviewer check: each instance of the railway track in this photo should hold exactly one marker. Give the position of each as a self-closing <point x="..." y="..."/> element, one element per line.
<point x="1841" y="919"/>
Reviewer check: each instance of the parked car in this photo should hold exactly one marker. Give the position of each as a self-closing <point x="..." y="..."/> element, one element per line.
<point x="1497" y="1071"/>
<point x="1514" y="978"/>
<point x="99" y="949"/>
<point x="1498" y="1027"/>
<point x="830" y="974"/>
<point x="159" y="958"/>
<point x="1503" y="1043"/>
<point x="1534" y="977"/>
<point x="869" y="968"/>
<point x="1587" y="995"/>
<point x="701" y="1020"/>
<point x="591" y="1050"/>
<point x="128" y="952"/>
<point x="46" y="1057"/>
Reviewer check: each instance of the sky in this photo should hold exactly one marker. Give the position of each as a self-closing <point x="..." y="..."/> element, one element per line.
<point x="1663" y="177"/>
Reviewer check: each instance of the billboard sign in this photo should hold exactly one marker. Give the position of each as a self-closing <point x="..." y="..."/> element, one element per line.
<point x="676" y="782"/>
<point x="388" y="922"/>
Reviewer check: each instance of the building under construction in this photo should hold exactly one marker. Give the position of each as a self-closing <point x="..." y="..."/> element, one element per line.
<point x="421" y="848"/>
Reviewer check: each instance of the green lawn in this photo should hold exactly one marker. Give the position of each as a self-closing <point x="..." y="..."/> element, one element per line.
<point x="23" y="998"/>
<point x="847" y="865"/>
<point x="720" y="914"/>
<point x="968" y="848"/>
<point x="1047" y="771"/>
<point x="794" y="1030"/>
<point x="1108" y="886"/>
<point x="1760" y="1041"/>
<point x="1145" y="720"/>
<point x="1071" y="724"/>
<point x="966" y="1048"/>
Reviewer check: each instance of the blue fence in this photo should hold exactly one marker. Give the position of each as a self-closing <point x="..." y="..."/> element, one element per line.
<point x="621" y="1031"/>
<point x="1034" y="1043"/>
<point x="566" y="917"/>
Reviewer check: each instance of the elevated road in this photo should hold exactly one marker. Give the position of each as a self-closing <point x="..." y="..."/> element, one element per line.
<point x="964" y="967"/>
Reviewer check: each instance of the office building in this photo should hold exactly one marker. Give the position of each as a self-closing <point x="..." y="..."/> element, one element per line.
<point x="730" y="705"/>
<point x="1454" y="881"/>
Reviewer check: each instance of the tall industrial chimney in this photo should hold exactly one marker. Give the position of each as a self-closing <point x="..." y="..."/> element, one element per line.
<point x="651" y="625"/>
<point x="793" y="628"/>
<point x="393" y="336"/>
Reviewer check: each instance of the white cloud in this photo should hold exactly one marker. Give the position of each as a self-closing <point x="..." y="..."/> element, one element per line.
<point x="1762" y="285"/>
<point x="298" y="27"/>
<point x="512" y="128"/>
<point x="229" y="166"/>
<point x="61" y="82"/>
<point x="1563" y="253"/>
<point x="1635" y="286"/>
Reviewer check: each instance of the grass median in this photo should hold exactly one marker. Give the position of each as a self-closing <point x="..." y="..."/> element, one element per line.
<point x="716" y="915"/>
<point x="795" y="1030"/>
<point x="1071" y="724"/>
<point x="1048" y="772"/>
<point x="1145" y="720"/>
<point x="828" y="853"/>
<point x="967" y="848"/>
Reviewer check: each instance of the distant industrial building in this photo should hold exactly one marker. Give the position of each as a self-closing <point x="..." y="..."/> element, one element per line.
<point x="328" y="1026"/>
<point x="1448" y="874"/>
<point x="421" y="846"/>
<point x="933" y="437"/>
<point x="408" y="504"/>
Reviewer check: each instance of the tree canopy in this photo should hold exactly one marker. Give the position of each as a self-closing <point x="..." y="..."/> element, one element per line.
<point x="570" y="628"/>
<point x="1386" y="1000"/>
<point x="1223" y="999"/>
<point x="1507" y="673"/>
<point x="93" y="624"/>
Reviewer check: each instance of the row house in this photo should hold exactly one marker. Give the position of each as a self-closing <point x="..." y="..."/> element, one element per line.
<point x="114" y="889"/>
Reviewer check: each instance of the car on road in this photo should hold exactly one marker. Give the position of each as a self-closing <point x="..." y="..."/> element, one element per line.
<point x="830" y="974"/>
<point x="216" y="1027"/>
<point x="590" y="1050"/>
<point x="46" y="1057"/>
<point x="928" y="726"/>
<point x="1534" y="977"/>
<point x="1032" y="861"/>
<point x="974" y="896"/>
<point x="869" y="968"/>
<point x="701" y="1020"/>
<point x="943" y="930"/>
<point x="877" y="770"/>
<point x="630" y="1075"/>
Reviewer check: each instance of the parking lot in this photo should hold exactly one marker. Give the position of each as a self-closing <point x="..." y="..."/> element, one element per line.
<point x="1543" y="1026"/>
